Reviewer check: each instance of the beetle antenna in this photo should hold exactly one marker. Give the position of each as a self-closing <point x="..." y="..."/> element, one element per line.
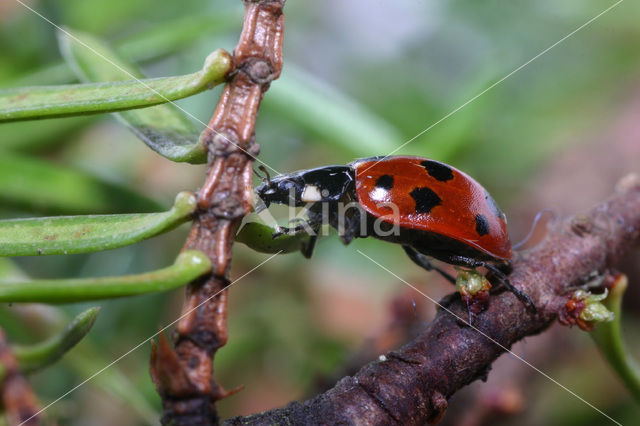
<point x="536" y="220"/>
<point x="265" y="176"/>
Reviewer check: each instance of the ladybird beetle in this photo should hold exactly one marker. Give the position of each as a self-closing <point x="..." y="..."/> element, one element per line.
<point x="434" y="210"/>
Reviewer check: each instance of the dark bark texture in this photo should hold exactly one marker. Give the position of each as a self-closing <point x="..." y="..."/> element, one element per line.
<point x="413" y="384"/>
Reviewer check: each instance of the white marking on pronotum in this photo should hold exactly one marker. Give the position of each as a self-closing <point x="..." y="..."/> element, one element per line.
<point x="310" y="194"/>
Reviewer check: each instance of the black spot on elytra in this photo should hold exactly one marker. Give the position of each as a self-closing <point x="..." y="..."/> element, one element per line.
<point x="438" y="171"/>
<point x="493" y="206"/>
<point x="385" y="181"/>
<point x="482" y="225"/>
<point x="425" y="199"/>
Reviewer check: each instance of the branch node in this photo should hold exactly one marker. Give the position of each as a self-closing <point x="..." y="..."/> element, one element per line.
<point x="207" y="340"/>
<point x="405" y="358"/>
<point x="628" y="183"/>
<point x="379" y="401"/>
<point x="227" y="206"/>
<point x="581" y="225"/>
<point x="439" y="405"/>
<point x="259" y="71"/>
<point x="167" y="372"/>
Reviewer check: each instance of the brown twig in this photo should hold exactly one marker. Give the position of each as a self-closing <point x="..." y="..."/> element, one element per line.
<point x="17" y="399"/>
<point x="184" y="377"/>
<point x="413" y="387"/>
<point x="402" y="324"/>
<point x="617" y="150"/>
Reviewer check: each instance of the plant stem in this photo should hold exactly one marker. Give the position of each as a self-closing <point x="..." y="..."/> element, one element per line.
<point x="608" y="338"/>
<point x="184" y="376"/>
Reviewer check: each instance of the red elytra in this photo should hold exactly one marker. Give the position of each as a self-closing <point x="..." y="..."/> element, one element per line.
<point x="439" y="211"/>
<point x="452" y="203"/>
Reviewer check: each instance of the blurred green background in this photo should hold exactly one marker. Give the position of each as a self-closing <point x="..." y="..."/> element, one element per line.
<point x="556" y="134"/>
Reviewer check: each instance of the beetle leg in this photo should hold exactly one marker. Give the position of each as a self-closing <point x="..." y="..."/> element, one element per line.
<point x="351" y="228"/>
<point x="302" y="228"/>
<point x="424" y="262"/>
<point x="299" y="220"/>
<point x="309" y="246"/>
<point x="283" y="230"/>
<point x="524" y="297"/>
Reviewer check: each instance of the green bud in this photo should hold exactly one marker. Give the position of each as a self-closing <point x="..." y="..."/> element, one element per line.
<point x="471" y="282"/>
<point x="594" y="310"/>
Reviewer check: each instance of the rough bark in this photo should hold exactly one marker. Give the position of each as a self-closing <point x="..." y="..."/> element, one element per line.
<point x="617" y="150"/>
<point x="413" y="384"/>
<point x="184" y="376"/>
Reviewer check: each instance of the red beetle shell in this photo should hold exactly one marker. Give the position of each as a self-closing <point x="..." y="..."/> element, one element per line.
<point x="434" y="197"/>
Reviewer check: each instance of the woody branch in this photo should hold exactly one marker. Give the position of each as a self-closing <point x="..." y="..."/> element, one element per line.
<point x="184" y="376"/>
<point x="413" y="384"/>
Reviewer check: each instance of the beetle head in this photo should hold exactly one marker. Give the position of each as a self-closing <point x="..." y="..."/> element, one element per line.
<point x="283" y="189"/>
